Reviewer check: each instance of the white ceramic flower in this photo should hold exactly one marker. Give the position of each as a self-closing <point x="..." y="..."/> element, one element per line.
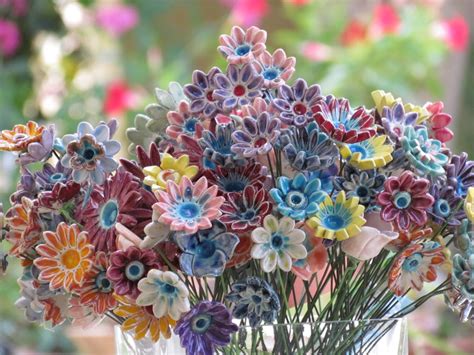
<point x="165" y="292"/>
<point x="277" y="243"/>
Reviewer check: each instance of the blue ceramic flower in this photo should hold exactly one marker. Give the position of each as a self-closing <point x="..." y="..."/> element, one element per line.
<point x="255" y="300"/>
<point x="460" y="173"/>
<point x="206" y="252"/>
<point x="423" y="153"/>
<point x="395" y="121"/>
<point x="298" y="198"/>
<point x="326" y="177"/>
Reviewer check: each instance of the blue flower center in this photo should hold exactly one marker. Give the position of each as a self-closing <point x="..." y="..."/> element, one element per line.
<point x="206" y="249"/>
<point x="109" y="214"/>
<point x="461" y="190"/>
<point x="296" y="200"/>
<point x="189" y="210"/>
<point x="57" y="177"/>
<point x="190" y="125"/>
<point x="412" y="263"/>
<point x="362" y="191"/>
<point x="277" y="241"/>
<point x="333" y="222"/>
<point x="442" y="208"/>
<point x="256" y="299"/>
<point x="234" y="186"/>
<point x="89" y="154"/>
<point x="270" y="73"/>
<point x="201" y="323"/>
<point x="168" y="289"/>
<point x="242" y="50"/>
<point x="402" y="200"/>
<point x="357" y="148"/>
<point x="134" y="270"/>
<point x="103" y="283"/>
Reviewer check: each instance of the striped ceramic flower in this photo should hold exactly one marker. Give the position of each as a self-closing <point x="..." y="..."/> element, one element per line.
<point x="201" y="93"/>
<point x="65" y="258"/>
<point x="340" y="219"/>
<point x="20" y="137"/>
<point x="183" y="121"/>
<point x="242" y="46"/>
<point x="275" y="68"/>
<point x="369" y="154"/>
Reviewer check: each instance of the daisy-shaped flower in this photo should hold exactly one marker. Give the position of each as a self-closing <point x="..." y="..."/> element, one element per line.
<point x="170" y="169"/>
<point x="256" y="108"/>
<point x="257" y="136"/>
<point x="41" y="150"/>
<point x="415" y="265"/>
<point x="340" y="219"/>
<point x="341" y="122"/>
<point x="414" y="234"/>
<point x="438" y="122"/>
<point x="469" y="204"/>
<point x="20" y="137"/>
<point x="165" y="293"/>
<point x="207" y="326"/>
<point x="405" y="200"/>
<point x="244" y="211"/>
<point x="275" y="68"/>
<point x="277" y="243"/>
<point x="206" y="252"/>
<point x="236" y="179"/>
<point x="242" y="46"/>
<point x="294" y="103"/>
<point x="240" y="86"/>
<point x="59" y="197"/>
<point x="460" y="173"/>
<point x="65" y="258"/>
<point x="143" y="160"/>
<point x="201" y="93"/>
<point x="446" y="206"/>
<point x="141" y="321"/>
<point x="188" y="207"/>
<point x="395" y="120"/>
<point x="423" y="152"/>
<point x="369" y="154"/>
<point x="297" y="198"/>
<point x="50" y="175"/>
<point x="384" y="99"/>
<point x="308" y="149"/>
<point x="183" y="121"/>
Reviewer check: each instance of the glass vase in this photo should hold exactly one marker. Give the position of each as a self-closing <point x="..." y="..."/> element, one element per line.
<point x="374" y="337"/>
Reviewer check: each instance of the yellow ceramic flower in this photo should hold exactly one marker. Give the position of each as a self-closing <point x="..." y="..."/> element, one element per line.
<point x="20" y="136"/>
<point x="383" y="99"/>
<point x="170" y="169"/>
<point x="340" y="219"/>
<point x="469" y="204"/>
<point x="422" y="112"/>
<point x="369" y="154"/>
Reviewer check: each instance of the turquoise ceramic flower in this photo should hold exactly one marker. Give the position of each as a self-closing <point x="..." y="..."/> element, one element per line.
<point x="298" y="198"/>
<point x="422" y="152"/>
<point x="463" y="274"/>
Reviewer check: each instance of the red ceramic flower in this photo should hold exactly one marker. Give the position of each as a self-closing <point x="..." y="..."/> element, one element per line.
<point x="236" y="179"/>
<point x="144" y="159"/>
<point x="438" y="121"/>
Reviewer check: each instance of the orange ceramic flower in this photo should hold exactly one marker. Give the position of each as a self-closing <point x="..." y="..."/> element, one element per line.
<point x="65" y="258"/>
<point x="20" y="137"/>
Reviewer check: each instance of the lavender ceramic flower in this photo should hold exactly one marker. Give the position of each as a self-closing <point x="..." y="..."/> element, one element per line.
<point x="201" y="93"/>
<point x="395" y="120"/>
<point x="294" y="103"/>
<point x="275" y="68"/>
<point x="446" y="206"/>
<point x="50" y="175"/>
<point x="460" y="173"/>
<point x="205" y="327"/>
<point x="39" y="151"/>
<point x="27" y="187"/>
<point x="242" y="46"/>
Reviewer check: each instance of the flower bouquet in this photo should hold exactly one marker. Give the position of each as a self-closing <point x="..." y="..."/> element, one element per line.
<point x="250" y="203"/>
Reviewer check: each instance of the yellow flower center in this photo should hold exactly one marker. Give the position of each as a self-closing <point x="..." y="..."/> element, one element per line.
<point x="70" y="258"/>
<point x="171" y="175"/>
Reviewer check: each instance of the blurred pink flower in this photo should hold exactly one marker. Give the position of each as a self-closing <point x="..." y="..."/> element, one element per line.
<point x="10" y="38"/>
<point x="354" y="32"/>
<point x="117" y="19"/>
<point x="119" y="97"/>
<point x="298" y="2"/>
<point x="454" y="32"/>
<point x="315" y="51"/>
<point x="247" y="12"/>
<point x="385" y="20"/>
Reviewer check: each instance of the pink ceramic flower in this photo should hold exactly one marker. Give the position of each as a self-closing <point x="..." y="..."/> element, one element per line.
<point x="438" y="121"/>
<point x="10" y="38"/>
<point x="183" y="121"/>
<point x="117" y="19"/>
<point x="242" y="46"/>
<point x="368" y="243"/>
<point x="188" y="207"/>
<point x="405" y="200"/>
<point x="275" y="68"/>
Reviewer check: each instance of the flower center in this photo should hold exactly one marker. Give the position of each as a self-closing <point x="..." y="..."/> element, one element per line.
<point x="134" y="270"/>
<point x="296" y="199"/>
<point x="333" y="222"/>
<point x="234" y="186"/>
<point x="277" y="241"/>
<point x="209" y="96"/>
<point x="109" y="214"/>
<point x="239" y="90"/>
<point x="412" y="263"/>
<point x="56" y="177"/>
<point x="189" y="210"/>
<point x="300" y="109"/>
<point x="89" y="154"/>
<point x="442" y="208"/>
<point x="362" y="191"/>
<point x="190" y="125"/>
<point x="248" y="215"/>
<point x="256" y="299"/>
<point x="402" y="200"/>
<point x="201" y="323"/>
<point x="260" y="142"/>
<point x="103" y="283"/>
<point x="357" y="148"/>
<point x="206" y="249"/>
<point x="168" y="289"/>
<point x="242" y="50"/>
<point x="169" y="175"/>
<point x="19" y="137"/>
<point x="270" y="73"/>
<point x="70" y="258"/>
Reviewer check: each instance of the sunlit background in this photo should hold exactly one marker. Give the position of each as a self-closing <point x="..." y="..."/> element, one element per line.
<point x="65" y="61"/>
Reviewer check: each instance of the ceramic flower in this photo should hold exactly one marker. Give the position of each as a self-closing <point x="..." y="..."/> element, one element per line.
<point x="316" y="259"/>
<point x="446" y="206"/>
<point x="368" y="243"/>
<point x="326" y="177"/>
<point x="277" y="243"/>
<point x="275" y="68"/>
<point x="369" y="154"/>
<point x="129" y="266"/>
<point x="242" y="46"/>
<point x="20" y="137"/>
<point x="405" y="200"/>
<point x="414" y="234"/>
<point x="255" y="300"/>
<point x="120" y="200"/>
<point x="257" y="136"/>
<point x="29" y="301"/>
<point x="65" y="258"/>
<point x="308" y="149"/>
<point x="165" y="293"/>
<point x="463" y="274"/>
<point x="340" y="219"/>
<point x="170" y="169"/>
<point x="415" y="265"/>
<point x="206" y="326"/>
<point x="201" y="93"/>
<point x="183" y="121"/>
<point x="256" y="108"/>
<point x="469" y="204"/>
<point x="460" y="173"/>
<point x="395" y="121"/>
<point x="26" y="187"/>
<point x="464" y="238"/>
<point x="423" y="152"/>
<point x="244" y="211"/>
<point x="140" y="135"/>
<point x="384" y="99"/>
<point x="241" y="252"/>
<point x="294" y="103"/>
<point x="297" y="198"/>
<point x="89" y="153"/>
<point x="51" y="175"/>
<point x="59" y="199"/>
<point x="41" y="150"/>
<point x="143" y="159"/>
<point x="236" y="179"/>
<point x="341" y="122"/>
<point x="238" y="87"/>
<point x="438" y="122"/>
<point x="206" y="252"/>
<point x="188" y="207"/>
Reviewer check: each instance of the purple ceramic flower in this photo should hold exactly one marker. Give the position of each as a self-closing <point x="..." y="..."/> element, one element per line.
<point x="257" y="136"/>
<point x="27" y="187"/>
<point x="294" y="103"/>
<point x="50" y="175"/>
<point x="276" y="69"/>
<point x="242" y="46"/>
<point x="10" y="38"/>
<point x="446" y="207"/>
<point x="395" y="120"/>
<point x="460" y="173"/>
<point x="39" y="151"/>
<point x="239" y="87"/>
<point x="117" y="19"/>
<point x="205" y="327"/>
<point x="201" y="93"/>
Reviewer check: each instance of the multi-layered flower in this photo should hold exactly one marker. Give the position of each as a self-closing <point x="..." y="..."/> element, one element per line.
<point x="236" y="179"/>
<point x="242" y="46"/>
<point x="183" y="121"/>
<point x="277" y="243"/>
<point x="423" y="152"/>
<point x="395" y="120"/>
<point x="201" y="93"/>
<point x="41" y="150"/>
<point x="460" y="173"/>
<point x="20" y="137"/>
<point x="188" y="207"/>
<point x="206" y="252"/>
<point x="218" y="146"/>
<point x="438" y="122"/>
<point x="297" y="198"/>
<point x="306" y="148"/>
<point x="369" y="154"/>
<point x="275" y="68"/>
<point x="205" y="327"/>
<point x="65" y="258"/>
<point x="340" y="219"/>
<point x="294" y="103"/>
<point x="415" y="265"/>
<point x="405" y="200"/>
